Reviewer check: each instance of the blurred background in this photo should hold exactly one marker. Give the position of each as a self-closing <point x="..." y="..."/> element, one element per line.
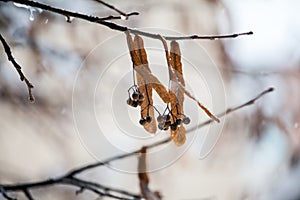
<point x="258" y="148"/>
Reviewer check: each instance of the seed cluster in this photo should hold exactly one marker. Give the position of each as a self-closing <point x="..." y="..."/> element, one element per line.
<point x="136" y="98"/>
<point x="173" y="117"/>
<point x="145" y="120"/>
<point x="165" y="122"/>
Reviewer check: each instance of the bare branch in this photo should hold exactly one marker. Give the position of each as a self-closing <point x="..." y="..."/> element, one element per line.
<point x="108" y="189"/>
<point x="118" y="27"/>
<point x="4" y="194"/>
<point x="72" y="181"/>
<point x="17" y="67"/>
<point x="126" y="15"/>
<point x="28" y="194"/>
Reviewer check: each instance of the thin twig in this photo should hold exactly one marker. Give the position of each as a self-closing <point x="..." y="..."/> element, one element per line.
<point x="28" y="194"/>
<point x="4" y="194"/>
<point x="17" y="67"/>
<point x="94" y="188"/>
<point x="109" y="189"/>
<point x="72" y="181"/>
<point x="116" y="9"/>
<point x="118" y="27"/>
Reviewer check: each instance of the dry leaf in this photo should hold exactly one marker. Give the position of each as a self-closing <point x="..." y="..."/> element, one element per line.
<point x="176" y="92"/>
<point x="144" y="179"/>
<point x="133" y="53"/>
<point x="178" y="136"/>
<point x="175" y="61"/>
<point x="143" y="85"/>
<point x="145" y="71"/>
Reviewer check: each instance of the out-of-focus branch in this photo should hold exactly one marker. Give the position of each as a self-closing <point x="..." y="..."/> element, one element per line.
<point x="70" y="179"/>
<point x="118" y="27"/>
<point x="17" y="67"/>
<point x="28" y="194"/>
<point x="96" y="188"/>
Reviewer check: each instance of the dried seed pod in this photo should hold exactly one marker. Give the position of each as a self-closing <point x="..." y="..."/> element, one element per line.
<point x="168" y="117"/>
<point x="161" y="126"/>
<point x="129" y="101"/>
<point x="134" y="103"/>
<point x="174" y="127"/>
<point x="160" y="119"/>
<point x="178" y="121"/>
<point x="148" y="119"/>
<point x="168" y="123"/>
<point x="142" y="121"/>
<point x="186" y="120"/>
<point x="135" y="95"/>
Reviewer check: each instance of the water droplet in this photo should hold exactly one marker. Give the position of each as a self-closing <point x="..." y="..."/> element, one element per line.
<point x="39" y="10"/>
<point x="31" y="10"/>
<point x="123" y="17"/>
<point x="69" y="19"/>
<point x="46" y="21"/>
<point x="296" y="125"/>
<point x="31" y="16"/>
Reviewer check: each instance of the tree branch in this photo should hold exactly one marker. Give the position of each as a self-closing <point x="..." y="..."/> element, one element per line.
<point x="118" y="27"/>
<point x="72" y="181"/>
<point x="126" y="15"/>
<point x="28" y="194"/>
<point x="17" y="67"/>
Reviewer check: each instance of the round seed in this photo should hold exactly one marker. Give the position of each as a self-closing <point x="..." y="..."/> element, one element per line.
<point x="142" y="121"/>
<point x="178" y="121"/>
<point x="186" y="120"/>
<point x="174" y="127"/>
<point x="141" y="96"/>
<point x="160" y="118"/>
<point x="129" y="101"/>
<point x="135" y="96"/>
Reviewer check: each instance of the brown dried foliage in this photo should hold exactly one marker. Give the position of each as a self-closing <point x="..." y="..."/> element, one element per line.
<point x="176" y="92"/>
<point x="146" y="81"/>
<point x="144" y="179"/>
<point x="144" y="85"/>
